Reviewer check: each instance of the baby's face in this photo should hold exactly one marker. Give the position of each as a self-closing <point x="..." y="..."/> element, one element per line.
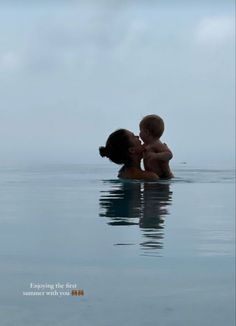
<point x="143" y="135"/>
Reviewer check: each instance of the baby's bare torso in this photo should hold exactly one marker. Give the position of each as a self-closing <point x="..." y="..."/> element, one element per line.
<point x="159" y="166"/>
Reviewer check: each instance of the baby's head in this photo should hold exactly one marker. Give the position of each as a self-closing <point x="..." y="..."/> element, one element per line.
<point x="151" y="126"/>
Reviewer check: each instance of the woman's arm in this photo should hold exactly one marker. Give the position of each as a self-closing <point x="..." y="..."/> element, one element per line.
<point x="136" y="174"/>
<point x="148" y="175"/>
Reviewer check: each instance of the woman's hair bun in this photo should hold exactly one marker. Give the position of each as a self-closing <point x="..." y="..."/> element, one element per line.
<point x="103" y="151"/>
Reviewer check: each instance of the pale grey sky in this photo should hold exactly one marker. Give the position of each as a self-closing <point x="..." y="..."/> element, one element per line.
<point x="71" y="72"/>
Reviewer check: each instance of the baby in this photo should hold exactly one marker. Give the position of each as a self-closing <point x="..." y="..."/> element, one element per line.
<point x="157" y="155"/>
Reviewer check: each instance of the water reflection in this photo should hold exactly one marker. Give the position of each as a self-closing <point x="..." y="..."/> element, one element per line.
<point x="136" y="203"/>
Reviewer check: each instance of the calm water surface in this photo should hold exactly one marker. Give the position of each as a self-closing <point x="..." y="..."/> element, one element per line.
<point x="144" y="253"/>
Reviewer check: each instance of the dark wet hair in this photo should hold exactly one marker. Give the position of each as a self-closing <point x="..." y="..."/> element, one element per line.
<point x="117" y="146"/>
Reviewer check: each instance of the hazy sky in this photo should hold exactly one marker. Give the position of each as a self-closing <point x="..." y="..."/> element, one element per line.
<point x="71" y="72"/>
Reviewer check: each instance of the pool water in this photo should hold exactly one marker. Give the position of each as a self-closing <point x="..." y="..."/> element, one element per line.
<point x="159" y="253"/>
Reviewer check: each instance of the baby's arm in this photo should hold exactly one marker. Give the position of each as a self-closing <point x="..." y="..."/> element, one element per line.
<point x="158" y="152"/>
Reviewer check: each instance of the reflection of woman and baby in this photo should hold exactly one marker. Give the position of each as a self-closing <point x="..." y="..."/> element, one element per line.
<point x="134" y="203"/>
<point x="147" y="201"/>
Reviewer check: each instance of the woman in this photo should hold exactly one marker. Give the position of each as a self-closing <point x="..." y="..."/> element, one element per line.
<point x="123" y="147"/>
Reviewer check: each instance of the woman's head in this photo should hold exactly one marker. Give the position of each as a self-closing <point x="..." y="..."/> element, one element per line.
<point x="121" y="146"/>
